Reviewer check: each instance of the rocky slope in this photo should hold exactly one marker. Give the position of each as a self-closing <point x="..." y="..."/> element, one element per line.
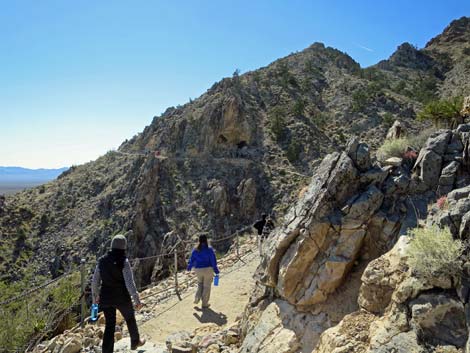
<point x="242" y="148"/>
<point x="327" y="282"/>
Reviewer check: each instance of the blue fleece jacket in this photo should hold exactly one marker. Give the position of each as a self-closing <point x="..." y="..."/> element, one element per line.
<point x="203" y="258"/>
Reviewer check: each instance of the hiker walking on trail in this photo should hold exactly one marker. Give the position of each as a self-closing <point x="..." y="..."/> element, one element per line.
<point x="259" y="225"/>
<point x="268" y="227"/>
<point x="205" y="263"/>
<point x="112" y="287"/>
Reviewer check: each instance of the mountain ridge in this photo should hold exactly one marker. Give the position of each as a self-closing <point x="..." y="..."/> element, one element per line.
<point x="246" y="146"/>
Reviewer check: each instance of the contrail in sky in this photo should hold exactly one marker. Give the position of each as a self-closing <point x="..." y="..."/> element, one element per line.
<point x="363" y="47"/>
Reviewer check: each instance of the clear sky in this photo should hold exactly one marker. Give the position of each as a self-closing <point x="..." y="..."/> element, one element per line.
<point x="79" y="77"/>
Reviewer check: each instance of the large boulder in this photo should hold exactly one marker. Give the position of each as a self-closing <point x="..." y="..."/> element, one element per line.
<point x="269" y="335"/>
<point x="439" y="319"/>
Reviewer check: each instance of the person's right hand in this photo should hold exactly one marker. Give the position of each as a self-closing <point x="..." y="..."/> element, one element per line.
<point x="138" y="306"/>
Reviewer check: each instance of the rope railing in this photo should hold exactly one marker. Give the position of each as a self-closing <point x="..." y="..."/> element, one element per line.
<point x="56" y="318"/>
<point x="32" y="290"/>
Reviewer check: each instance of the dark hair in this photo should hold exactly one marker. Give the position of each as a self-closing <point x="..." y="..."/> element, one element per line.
<point x="202" y="241"/>
<point x="264" y="215"/>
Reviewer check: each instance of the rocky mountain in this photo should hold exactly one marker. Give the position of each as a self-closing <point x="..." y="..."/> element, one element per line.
<point x="336" y="275"/>
<point x="246" y="146"/>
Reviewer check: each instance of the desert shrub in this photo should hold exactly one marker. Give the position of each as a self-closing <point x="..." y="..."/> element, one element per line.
<point x="298" y="108"/>
<point x="359" y="100"/>
<point x="466" y="51"/>
<point x="388" y="119"/>
<point x="293" y="151"/>
<point x="425" y="90"/>
<point x="443" y="112"/>
<point x="392" y="148"/>
<point x="432" y="251"/>
<point x="22" y="320"/>
<point x="278" y="123"/>
<point x="321" y="118"/>
<point x="417" y="141"/>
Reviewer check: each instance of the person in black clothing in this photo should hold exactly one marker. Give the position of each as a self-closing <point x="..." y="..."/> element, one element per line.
<point x="259" y="225"/>
<point x="112" y="287"/>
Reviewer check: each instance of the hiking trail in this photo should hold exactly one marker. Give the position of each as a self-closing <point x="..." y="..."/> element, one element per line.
<point x="228" y="301"/>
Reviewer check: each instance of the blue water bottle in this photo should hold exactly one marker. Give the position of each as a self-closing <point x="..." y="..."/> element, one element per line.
<point x="216" y="280"/>
<point x="94" y="312"/>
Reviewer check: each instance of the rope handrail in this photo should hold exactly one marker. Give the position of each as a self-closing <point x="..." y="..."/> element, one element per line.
<point x="167" y="289"/>
<point x="29" y="291"/>
<point x="132" y="261"/>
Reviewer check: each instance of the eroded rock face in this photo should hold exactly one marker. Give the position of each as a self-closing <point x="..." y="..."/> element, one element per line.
<point x="343" y="229"/>
<point x="323" y="234"/>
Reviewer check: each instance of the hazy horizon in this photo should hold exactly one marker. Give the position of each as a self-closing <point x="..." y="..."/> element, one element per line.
<point x="82" y="78"/>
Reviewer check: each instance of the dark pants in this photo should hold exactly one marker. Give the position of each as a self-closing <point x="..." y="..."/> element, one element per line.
<point x="127" y="312"/>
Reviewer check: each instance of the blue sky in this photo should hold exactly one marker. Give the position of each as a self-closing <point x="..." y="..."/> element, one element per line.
<point x="79" y="77"/>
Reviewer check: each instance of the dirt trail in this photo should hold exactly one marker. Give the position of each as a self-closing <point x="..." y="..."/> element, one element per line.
<point x="228" y="300"/>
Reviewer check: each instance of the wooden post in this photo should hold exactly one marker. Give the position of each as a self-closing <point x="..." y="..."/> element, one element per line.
<point x="83" y="302"/>
<point x="176" y="273"/>
<point x="237" y="243"/>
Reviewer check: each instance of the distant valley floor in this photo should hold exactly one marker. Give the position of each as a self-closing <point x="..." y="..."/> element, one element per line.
<point x="8" y="188"/>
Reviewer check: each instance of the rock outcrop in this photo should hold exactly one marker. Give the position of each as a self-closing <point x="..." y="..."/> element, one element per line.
<point x="337" y="240"/>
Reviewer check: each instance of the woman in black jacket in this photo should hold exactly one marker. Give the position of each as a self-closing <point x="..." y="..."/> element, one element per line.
<point x="112" y="287"/>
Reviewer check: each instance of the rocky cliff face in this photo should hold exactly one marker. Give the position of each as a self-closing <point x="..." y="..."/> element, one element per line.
<point x="327" y="282"/>
<point x="242" y="148"/>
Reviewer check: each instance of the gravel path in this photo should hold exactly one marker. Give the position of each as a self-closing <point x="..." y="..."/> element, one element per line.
<point x="228" y="301"/>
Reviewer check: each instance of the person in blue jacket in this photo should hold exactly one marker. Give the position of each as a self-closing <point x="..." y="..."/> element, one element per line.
<point x="205" y="263"/>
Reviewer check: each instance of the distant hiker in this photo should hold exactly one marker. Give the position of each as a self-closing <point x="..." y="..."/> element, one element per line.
<point x="259" y="225"/>
<point x="205" y="263"/>
<point x="268" y="227"/>
<point x="112" y="287"/>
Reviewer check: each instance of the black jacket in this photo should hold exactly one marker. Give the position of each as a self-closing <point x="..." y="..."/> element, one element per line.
<point x="113" y="287"/>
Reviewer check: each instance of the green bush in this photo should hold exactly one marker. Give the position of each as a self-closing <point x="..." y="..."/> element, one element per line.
<point x="392" y="148"/>
<point x="425" y="90"/>
<point x="38" y="312"/>
<point x="278" y="123"/>
<point x="293" y="151"/>
<point x="432" y="251"/>
<point x="417" y="141"/>
<point x="388" y="119"/>
<point x="299" y="107"/>
<point x="443" y="113"/>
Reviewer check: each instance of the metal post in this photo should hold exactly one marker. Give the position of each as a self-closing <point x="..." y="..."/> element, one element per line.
<point x="83" y="302"/>
<point x="176" y="273"/>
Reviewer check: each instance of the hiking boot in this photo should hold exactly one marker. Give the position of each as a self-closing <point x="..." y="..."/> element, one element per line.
<point x="134" y="346"/>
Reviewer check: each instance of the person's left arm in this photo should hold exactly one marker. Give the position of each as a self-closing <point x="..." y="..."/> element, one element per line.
<point x="130" y="283"/>
<point x="213" y="261"/>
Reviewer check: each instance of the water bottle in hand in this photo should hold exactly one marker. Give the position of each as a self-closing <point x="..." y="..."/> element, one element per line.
<point x="216" y="280"/>
<point x="94" y="312"/>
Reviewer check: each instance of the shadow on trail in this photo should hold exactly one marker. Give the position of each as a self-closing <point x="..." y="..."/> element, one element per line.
<point x="208" y="315"/>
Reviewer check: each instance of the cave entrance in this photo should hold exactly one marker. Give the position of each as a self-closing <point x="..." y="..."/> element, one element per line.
<point x="242" y="144"/>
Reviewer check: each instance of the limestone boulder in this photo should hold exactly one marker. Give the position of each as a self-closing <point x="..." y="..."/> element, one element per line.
<point x="439" y="319"/>
<point x="246" y="192"/>
<point x="269" y="335"/>
<point x="381" y="277"/>
<point x="72" y="345"/>
<point x="397" y="130"/>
